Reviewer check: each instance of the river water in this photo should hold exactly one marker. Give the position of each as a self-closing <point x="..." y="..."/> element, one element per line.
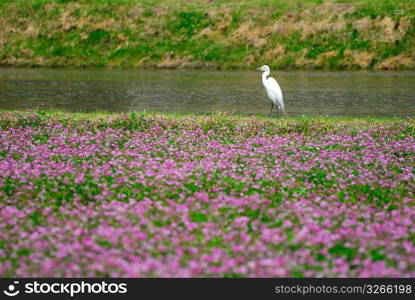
<point x="387" y="94"/>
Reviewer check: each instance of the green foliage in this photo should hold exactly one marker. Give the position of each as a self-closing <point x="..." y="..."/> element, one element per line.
<point x="341" y="250"/>
<point x="138" y="33"/>
<point x="377" y="255"/>
<point x="198" y="217"/>
<point x="189" y="22"/>
<point x="97" y="36"/>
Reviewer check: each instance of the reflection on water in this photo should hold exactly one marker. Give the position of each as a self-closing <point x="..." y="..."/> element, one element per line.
<point x="305" y="93"/>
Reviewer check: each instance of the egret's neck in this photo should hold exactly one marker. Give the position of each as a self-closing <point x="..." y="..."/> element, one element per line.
<point x="264" y="76"/>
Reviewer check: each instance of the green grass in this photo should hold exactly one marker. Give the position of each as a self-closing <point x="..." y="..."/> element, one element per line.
<point x="165" y="34"/>
<point x="302" y="123"/>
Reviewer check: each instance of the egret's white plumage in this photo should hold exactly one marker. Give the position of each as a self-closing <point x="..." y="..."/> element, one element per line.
<point x="273" y="89"/>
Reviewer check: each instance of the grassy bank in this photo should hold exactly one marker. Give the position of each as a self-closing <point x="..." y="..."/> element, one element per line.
<point x="310" y="34"/>
<point x="132" y="195"/>
<point x="108" y="117"/>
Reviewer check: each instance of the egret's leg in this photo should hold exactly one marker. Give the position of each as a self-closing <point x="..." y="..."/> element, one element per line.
<point x="272" y="106"/>
<point x="276" y="106"/>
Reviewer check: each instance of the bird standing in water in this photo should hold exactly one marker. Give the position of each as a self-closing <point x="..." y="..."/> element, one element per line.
<point x="273" y="90"/>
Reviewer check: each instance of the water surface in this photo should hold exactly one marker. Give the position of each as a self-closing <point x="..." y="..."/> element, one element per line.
<point x="386" y="94"/>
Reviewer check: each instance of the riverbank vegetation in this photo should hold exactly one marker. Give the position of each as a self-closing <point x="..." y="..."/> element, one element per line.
<point x="309" y="34"/>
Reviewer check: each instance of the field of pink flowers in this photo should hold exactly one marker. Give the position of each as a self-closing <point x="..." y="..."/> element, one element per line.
<point x="135" y="195"/>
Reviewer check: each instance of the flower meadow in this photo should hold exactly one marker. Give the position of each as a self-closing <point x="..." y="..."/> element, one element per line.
<point x="146" y="195"/>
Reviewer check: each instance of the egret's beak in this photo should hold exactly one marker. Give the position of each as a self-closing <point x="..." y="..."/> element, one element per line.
<point x="258" y="69"/>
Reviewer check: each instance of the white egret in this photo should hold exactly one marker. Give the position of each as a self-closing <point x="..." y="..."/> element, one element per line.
<point x="273" y="90"/>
